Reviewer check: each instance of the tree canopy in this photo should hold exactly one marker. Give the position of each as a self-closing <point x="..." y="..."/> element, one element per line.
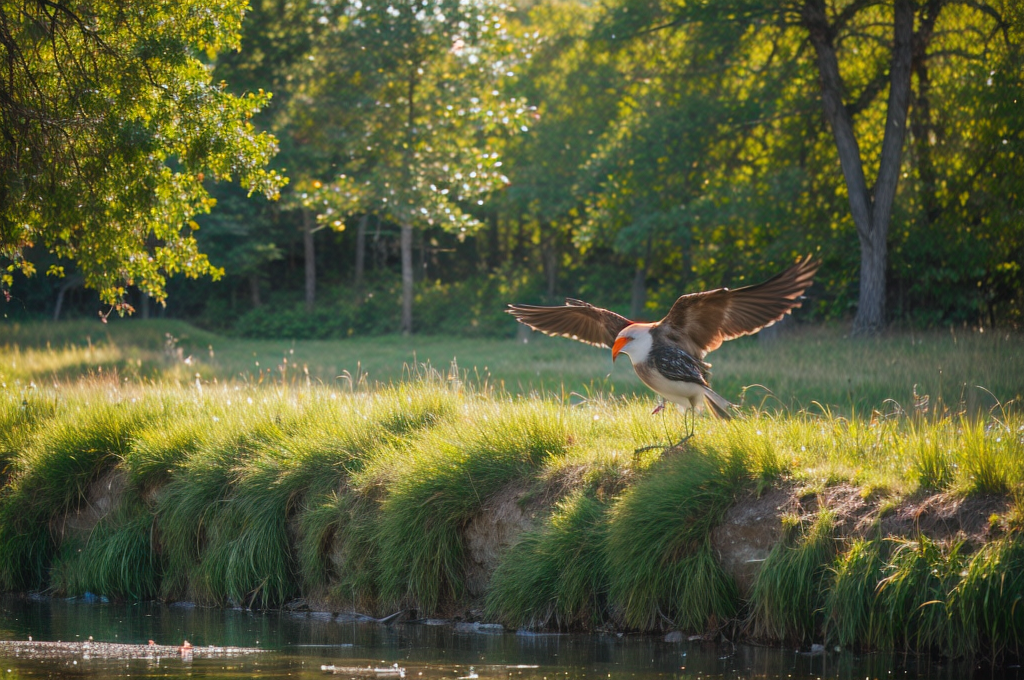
<point x="625" y="152"/>
<point x="110" y="122"/>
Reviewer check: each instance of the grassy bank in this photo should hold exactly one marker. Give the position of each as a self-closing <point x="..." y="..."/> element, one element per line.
<point x="257" y="496"/>
<point x="346" y="496"/>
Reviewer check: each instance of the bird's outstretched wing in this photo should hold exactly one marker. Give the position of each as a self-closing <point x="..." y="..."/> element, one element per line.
<point x="575" y="319"/>
<point x="710" y="318"/>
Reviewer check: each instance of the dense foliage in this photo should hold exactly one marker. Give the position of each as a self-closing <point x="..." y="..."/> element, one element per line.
<point x="660" y="146"/>
<point x="110" y="121"/>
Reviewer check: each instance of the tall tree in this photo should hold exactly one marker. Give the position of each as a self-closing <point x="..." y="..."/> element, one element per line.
<point x="422" y="84"/>
<point x="109" y="124"/>
<point x="871" y="207"/>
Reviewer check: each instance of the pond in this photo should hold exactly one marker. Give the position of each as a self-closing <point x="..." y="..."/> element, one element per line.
<point x="299" y="644"/>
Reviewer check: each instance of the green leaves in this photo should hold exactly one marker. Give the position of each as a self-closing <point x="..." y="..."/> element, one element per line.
<point x="112" y="125"/>
<point x="410" y="100"/>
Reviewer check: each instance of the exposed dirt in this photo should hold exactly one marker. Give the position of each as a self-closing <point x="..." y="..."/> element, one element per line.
<point x="747" y="533"/>
<point x="754" y="524"/>
<point x="101" y="498"/>
<point x="491" y="532"/>
<point x="943" y="517"/>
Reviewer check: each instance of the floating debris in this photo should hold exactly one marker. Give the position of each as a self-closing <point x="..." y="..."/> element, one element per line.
<point x="378" y="672"/>
<point x="109" y="650"/>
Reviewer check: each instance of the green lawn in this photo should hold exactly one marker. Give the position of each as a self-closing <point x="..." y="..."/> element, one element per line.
<point x="809" y="367"/>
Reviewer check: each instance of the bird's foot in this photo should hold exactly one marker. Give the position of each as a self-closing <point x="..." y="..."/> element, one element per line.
<point x="650" y="447"/>
<point x="681" y="441"/>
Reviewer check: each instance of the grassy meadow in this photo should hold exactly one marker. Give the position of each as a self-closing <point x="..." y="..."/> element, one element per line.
<point x="808" y="368"/>
<point x="227" y="482"/>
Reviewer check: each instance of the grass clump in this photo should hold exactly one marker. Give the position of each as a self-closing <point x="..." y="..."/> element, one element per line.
<point x="660" y="565"/>
<point x="851" y="612"/>
<point x="988" y="601"/>
<point x="53" y="474"/>
<point x="555" y="574"/>
<point x="117" y="559"/>
<point x="436" y="486"/>
<point x="912" y="597"/>
<point x="788" y="592"/>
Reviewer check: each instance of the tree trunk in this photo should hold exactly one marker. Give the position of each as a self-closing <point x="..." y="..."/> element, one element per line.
<point x="254" y="290"/>
<point x="871" y="210"/>
<point x="144" y="303"/>
<point x="549" y="257"/>
<point x="407" y="279"/>
<point x="361" y="250"/>
<point x="921" y="120"/>
<point x="309" y="252"/>
<point x="70" y="282"/>
<point x="638" y="295"/>
<point x="493" y="240"/>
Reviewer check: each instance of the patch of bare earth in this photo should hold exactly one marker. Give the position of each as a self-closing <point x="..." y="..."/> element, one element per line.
<point x="492" y="531"/>
<point x="753" y="525"/>
<point x="101" y="498"/>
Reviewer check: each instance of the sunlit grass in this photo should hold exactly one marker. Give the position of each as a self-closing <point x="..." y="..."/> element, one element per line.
<point x="814" y="368"/>
<point x="266" y="488"/>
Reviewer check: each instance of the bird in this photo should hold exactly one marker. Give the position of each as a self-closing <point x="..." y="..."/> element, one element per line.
<point x="668" y="355"/>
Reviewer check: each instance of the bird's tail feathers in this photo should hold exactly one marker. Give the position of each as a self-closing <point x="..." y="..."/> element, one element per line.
<point x="719" y="405"/>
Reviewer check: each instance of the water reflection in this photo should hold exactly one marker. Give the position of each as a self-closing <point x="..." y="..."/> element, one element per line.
<point x="299" y="644"/>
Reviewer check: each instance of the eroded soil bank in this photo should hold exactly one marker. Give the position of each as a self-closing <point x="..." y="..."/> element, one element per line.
<point x="422" y="502"/>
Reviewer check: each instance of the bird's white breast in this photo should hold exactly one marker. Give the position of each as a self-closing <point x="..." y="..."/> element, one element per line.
<point x="683" y="394"/>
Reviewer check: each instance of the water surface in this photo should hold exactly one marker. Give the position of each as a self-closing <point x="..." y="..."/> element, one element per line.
<point x="299" y="644"/>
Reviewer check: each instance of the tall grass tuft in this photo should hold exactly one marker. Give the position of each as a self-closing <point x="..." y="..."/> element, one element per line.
<point x="444" y="478"/>
<point x="320" y="523"/>
<point x="851" y="613"/>
<point x="986" y="459"/>
<point x="659" y="564"/>
<point x="555" y="574"/>
<point x="54" y="473"/>
<point x="988" y="601"/>
<point x="788" y="592"/>
<point x="117" y="559"/>
<point x="912" y="597"/>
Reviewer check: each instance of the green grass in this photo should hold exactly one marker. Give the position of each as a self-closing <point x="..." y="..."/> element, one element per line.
<point x="257" y="489"/>
<point x="555" y="576"/>
<point x="658" y="552"/>
<point x="809" y="367"/>
<point x="788" y="593"/>
<point x="116" y="559"/>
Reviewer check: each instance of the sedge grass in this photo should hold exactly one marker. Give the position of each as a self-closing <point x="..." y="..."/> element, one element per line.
<point x="555" y="575"/>
<point x="912" y="597"/>
<point x="359" y="495"/>
<point x="988" y="601"/>
<point x="446" y="477"/>
<point x="657" y="554"/>
<point x="117" y="559"/>
<point x="851" y="613"/>
<point x="787" y="595"/>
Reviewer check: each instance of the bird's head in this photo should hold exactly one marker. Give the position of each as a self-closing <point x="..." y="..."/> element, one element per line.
<point x="634" y="341"/>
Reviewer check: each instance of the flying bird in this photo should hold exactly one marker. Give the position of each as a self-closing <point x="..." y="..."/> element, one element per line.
<point x="668" y="355"/>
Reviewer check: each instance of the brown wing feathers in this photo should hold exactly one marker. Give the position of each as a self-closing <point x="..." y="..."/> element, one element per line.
<point x="697" y="323"/>
<point x="575" y="319"/>
<point x="710" y="318"/>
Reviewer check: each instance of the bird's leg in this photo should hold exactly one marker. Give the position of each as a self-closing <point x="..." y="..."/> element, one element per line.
<point x="659" y="407"/>
<point x="690" y="415"/>
<point x="651" y="447"/>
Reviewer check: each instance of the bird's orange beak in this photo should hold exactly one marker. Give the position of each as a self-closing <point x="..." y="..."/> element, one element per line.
<point x="619" y="344"/>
